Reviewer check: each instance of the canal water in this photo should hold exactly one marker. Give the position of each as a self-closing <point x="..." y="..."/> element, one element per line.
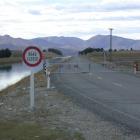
<point x="12" y="73"/>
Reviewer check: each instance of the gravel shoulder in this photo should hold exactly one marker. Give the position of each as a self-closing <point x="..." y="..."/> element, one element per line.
<point x="56" y="111"/>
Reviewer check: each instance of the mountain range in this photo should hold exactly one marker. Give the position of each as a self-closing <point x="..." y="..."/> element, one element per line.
<point x="69" y="44"/>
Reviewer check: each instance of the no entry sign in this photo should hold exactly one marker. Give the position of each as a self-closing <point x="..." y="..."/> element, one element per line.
<point x="32" y="56"/>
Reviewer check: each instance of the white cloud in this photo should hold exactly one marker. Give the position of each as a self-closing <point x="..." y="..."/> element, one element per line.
<point x="28" y="19"/>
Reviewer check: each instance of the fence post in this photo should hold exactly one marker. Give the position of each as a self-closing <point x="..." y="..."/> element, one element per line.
<point x="89" y="67"/>
<point x="135" y="67"/>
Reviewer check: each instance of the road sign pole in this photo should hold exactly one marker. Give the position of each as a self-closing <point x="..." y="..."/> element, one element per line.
<point x="48" y="79"/>
<point x="32" y="57"/>
<point x="32" y="90"/>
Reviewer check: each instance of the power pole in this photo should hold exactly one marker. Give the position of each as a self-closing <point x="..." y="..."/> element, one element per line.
<point x="110" y="44"/>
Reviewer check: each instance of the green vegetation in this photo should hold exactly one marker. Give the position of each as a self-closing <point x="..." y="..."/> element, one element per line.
<point x="8" y="57"/>
<point x="56" y="51"/>
<point x="5" y="53"/>
<point x="90" y="50"/>
<point x="11" y="130"/>
<point x="16" y="57"/>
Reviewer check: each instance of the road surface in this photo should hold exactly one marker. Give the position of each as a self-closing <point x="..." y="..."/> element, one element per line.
<point x="113" y="95"/>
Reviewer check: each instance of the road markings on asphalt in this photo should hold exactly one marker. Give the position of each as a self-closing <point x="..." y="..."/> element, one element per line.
<point x="100" y="78"/>
<point x="104" y="105"/>
<point x="117" y="84"/>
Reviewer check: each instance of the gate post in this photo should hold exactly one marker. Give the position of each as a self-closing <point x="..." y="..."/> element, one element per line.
<point x="135" y="67"/>
<point x="89" y="67"/>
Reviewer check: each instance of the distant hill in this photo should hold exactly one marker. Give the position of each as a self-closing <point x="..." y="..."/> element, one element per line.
<point x="102" y="41"/>
<point x="68" y="45"/>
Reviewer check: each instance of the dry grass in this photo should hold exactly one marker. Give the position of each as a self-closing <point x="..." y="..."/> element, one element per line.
<point x="116" y="56"/>
<point x="30" y="130"/>
<point x="12" y="130"/>
<point x="121" y="59"/>
<point x="10" y="60"/>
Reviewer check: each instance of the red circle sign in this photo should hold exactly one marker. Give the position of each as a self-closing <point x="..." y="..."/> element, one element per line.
<point x="32" y="56"/>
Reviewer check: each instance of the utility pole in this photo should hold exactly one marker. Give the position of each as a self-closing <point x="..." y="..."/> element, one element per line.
<point x="104" y="58"/>
<point x="110" y="44"/>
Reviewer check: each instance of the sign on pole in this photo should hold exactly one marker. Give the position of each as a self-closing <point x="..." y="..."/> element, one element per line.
<point x="32" y="57"/>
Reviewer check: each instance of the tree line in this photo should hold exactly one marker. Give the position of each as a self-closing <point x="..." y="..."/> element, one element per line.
<point x="5" y="53"/>
<point x="90" y="50"/>
<point x="56" y="51"/>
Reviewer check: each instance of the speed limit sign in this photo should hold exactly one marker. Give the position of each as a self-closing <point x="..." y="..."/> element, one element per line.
<point x="32" y="56"/>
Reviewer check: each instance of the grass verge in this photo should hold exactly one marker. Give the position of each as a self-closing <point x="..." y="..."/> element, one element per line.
<point x="11" y="130"/>
<point x="10" y="60"/>
<point x="15" y="129"/>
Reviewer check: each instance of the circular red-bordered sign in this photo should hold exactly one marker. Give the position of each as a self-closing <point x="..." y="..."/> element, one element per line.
<point x="32" y="56"/>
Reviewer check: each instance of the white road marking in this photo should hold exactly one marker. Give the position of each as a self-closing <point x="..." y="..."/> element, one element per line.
<point x="100" y="78"/>
<point x="106" y="106"/>
<point x="117" y="84"/>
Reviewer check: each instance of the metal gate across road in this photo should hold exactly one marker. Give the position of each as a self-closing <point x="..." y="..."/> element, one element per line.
<point x="89" y="68"/>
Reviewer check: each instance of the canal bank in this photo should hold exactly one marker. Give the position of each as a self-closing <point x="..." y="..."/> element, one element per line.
<point x="10" y="60"/>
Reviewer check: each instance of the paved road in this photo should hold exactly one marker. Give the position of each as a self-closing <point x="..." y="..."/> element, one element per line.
<point x="113" y="95"/>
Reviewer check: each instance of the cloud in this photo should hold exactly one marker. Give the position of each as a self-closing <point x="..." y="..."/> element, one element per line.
<point x="97" y="6"/>
<point x="29" y="2"/>
<point x="121" y="18"/>
<point x="122" y="7"/>
<point x="32" y="18"/>
<point x="34" y="12"/>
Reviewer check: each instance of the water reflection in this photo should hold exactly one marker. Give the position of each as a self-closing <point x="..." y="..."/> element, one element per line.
<point x="5" y="68"/>
<point x="11" y="74"/>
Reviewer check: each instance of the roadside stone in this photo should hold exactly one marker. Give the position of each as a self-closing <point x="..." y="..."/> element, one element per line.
<point x="1" y="104"/>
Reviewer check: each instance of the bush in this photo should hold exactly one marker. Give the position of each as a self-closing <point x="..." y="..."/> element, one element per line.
<point x="89" y="50"/>
<point x="5" y="53"/>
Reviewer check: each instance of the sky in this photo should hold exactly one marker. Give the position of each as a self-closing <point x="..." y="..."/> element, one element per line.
<point x="78" y="18"/>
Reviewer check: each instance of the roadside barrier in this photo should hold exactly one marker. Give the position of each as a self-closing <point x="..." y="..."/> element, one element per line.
<point x="48" y="78"/>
